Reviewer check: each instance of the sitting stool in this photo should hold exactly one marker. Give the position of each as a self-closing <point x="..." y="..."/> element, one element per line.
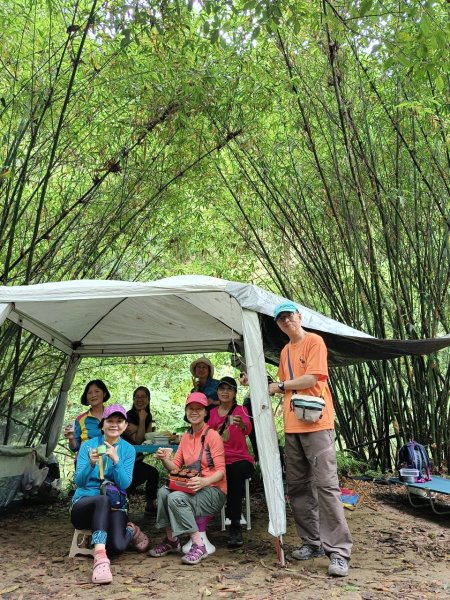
<point x="244" y="521"/>
<point x="81" y="546"/>
<point x="202" y="524"/>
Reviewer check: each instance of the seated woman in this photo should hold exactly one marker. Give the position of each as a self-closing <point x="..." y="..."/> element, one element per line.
<point x="233" y="424"/>
<point x="202" y="372"/>
<point x="112" y="533"/>
<point x="200" y="448"/>
<point x="139" y="423"/>
<point x="86" y="424"/>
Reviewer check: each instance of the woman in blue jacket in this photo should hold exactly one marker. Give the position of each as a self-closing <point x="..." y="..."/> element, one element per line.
<point x="112" y="533"/>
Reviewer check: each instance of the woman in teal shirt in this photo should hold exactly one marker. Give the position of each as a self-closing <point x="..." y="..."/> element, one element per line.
<point x="112" y="533"/>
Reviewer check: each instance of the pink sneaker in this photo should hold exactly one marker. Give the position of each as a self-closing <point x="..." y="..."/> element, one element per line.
<point x="195" y="555"/>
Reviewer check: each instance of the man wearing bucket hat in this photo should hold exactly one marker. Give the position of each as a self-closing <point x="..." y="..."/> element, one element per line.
<point x="311" y="470"/>
<point x="202" y="372"/>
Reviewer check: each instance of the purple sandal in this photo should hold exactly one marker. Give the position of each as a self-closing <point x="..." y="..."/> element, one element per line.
<point x="195" y="555"/>
<point x="165" y="547"/>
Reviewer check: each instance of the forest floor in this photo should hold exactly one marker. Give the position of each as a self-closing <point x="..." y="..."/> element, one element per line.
<point x="399" y="552"/>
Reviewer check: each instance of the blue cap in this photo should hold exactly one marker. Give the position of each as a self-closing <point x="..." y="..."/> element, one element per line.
<point x="285" y="306"/>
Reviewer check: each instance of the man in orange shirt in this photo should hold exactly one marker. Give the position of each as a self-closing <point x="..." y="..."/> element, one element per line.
<point x="311" y="470"/>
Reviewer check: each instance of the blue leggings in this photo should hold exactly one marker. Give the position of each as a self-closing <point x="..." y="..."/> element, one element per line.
<point x="94" y="512"/>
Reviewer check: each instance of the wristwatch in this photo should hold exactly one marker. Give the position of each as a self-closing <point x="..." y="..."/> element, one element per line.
<point x="281" y="385"/>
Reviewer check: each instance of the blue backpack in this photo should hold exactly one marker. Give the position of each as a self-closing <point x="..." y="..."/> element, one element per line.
<point x="414" y="456"/>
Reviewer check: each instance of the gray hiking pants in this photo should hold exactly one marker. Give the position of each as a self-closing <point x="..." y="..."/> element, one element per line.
<point x="314" y="493"/>
<point x="178" y="510"/>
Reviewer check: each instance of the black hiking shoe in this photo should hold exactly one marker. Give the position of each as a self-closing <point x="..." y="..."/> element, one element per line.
<point x="235" y="540"/>
<point x="306" y="552"/>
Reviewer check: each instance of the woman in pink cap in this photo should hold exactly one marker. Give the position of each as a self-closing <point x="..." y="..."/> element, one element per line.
<point x="201" y="448"/>
<point x="106" y="457"/>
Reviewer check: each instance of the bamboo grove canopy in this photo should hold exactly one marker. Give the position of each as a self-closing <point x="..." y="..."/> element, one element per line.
<point x="186" y="314"/>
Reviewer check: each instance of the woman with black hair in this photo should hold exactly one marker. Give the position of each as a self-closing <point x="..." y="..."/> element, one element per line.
<point x="233" y="424"/>
<point x="200" y="449"/>
<point x="86" y="424"/>
<point x="139" y="423"/>
<point x="112" y="532"/>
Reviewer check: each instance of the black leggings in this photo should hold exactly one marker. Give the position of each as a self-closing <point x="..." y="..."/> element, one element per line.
<point x="143" y="472"/>
<point x="94" y="512"/>
<point x="237" y="473"/>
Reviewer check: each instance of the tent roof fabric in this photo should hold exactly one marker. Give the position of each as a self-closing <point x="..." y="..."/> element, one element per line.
<point x="181" y="314"/>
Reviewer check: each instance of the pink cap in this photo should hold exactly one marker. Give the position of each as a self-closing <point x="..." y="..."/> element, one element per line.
<point x="198" y="398"/>
<point x="114" y="409"/>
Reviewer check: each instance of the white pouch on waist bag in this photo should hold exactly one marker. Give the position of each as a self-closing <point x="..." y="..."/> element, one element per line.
<point x="307" y="408"/>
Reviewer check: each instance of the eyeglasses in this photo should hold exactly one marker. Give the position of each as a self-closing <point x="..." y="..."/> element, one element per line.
<point x="288" y="317"/>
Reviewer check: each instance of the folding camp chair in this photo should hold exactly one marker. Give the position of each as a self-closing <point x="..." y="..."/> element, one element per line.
<point x="420" y="494"/>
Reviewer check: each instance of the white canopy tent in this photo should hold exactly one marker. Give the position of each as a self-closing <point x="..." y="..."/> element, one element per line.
<point x="185" y="314"/>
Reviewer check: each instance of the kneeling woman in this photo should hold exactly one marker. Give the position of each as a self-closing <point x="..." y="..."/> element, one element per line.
<point x="111" y="531"/>
<point x="201" y="448"/>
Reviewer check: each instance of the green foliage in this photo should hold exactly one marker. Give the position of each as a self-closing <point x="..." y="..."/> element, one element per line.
<point x="349" y="464"/>
<point x="298" y="145"/>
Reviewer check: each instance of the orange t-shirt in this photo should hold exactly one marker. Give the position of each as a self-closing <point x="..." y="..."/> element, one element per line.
<point x="307" y="357"/>
<point x="213" y="456"/>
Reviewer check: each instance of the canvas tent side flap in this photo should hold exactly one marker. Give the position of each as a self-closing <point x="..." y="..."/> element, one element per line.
<point x="269" y="455"/>
<point x="345" y="344"/>
<point x="14" y="464"/>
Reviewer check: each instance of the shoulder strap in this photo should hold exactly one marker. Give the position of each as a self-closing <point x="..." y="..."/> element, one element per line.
<point x="204" y="437"/>
<point x="224" y="424"/>
<point x="291" y="374"/>
<point x="201" y="450"/>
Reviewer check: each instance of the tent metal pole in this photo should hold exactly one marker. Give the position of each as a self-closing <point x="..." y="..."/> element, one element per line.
<point x="5" y="309"/>
<point x="280" y="551"/>
<point x="60" y="404"/>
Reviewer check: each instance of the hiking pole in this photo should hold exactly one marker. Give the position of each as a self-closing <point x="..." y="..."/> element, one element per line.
<point x="101" y="450"/>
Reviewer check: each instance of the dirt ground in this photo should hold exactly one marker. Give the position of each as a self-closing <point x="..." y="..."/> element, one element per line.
<point x="399" y="552"/>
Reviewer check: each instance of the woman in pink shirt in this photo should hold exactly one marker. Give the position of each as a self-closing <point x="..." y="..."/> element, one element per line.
<point x="233" y="424"/>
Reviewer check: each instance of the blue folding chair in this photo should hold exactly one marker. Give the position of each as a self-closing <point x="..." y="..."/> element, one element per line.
<point x="420" y="494"/>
